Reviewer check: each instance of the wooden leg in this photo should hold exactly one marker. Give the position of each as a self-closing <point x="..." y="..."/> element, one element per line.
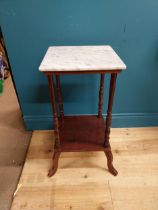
<point x="101" y="92"/>
<point x="109" y="112"/>
<point x="55" y="159"/>
<point x="59" y="97"/>
<point x="108" y="125"/>
<point x="109" y="156"/>
<point x="56" y="127"/>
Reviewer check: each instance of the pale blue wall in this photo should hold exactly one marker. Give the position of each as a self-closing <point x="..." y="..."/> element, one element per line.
<point x="131" y="27"/>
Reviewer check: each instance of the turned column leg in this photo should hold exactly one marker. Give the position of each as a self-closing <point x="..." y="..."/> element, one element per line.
<point x="108" y="125"/>
<point x="56" y="127"/>
<point x="59" y="97"/>
<point x="101" y="93"/>
<point x="109" y="111"/>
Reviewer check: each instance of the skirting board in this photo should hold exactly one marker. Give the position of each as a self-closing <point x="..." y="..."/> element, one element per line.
<point x="45" y="122"/>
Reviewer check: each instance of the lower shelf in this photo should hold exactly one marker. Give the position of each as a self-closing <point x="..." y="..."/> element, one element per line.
<point x="82" y="133"/>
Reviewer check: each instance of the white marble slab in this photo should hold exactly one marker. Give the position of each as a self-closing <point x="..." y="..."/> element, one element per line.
<point x="81" y="58"/>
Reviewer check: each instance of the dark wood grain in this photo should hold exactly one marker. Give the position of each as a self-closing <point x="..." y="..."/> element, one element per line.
<point x="55" y="159"/>
<point x="83" y="72"/>
<point x="109" y="111"/>
<point x="101" y="93"/>
<point x="109" y="157"/>
<point x="61" y="109"/>
<point x="82" y="133"/>
<point x="56" y="128"/>
<point x="54" y="110"/>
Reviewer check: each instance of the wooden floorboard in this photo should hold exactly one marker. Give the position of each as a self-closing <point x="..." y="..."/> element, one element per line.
<point x="82" y="181"/>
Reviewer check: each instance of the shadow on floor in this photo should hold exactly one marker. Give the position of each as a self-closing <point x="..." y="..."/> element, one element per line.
<point x="14" y="141"/>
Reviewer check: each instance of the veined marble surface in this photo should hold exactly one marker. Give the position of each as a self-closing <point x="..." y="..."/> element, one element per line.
<point x="81" y="58"/>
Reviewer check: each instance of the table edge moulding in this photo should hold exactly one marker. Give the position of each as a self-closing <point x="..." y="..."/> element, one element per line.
<point x="81" y="133"/>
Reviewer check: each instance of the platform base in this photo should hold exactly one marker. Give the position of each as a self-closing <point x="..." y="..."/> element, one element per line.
<point x="79" y="134"/>
<point x="82" y="133"/>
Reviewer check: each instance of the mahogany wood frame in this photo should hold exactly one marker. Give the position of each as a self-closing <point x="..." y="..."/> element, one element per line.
<point x="61" y="109"/>
<point x="59" y="122"/>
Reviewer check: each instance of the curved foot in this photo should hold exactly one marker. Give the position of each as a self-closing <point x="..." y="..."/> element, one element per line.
<point x="55" y="163"/>
<point x="109" y="156"/>
<point x="112" y="170"/>
<point x="52" y="171"/>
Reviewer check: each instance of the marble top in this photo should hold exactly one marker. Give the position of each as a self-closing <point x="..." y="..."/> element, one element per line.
<point x="81" y="58"/>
